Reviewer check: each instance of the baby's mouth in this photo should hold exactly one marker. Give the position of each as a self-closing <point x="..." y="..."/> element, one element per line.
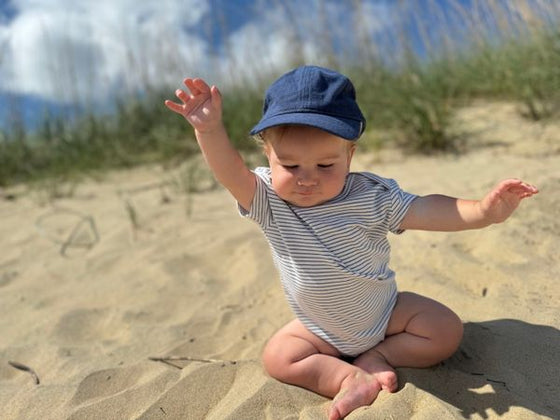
<point x="305" y="192"/>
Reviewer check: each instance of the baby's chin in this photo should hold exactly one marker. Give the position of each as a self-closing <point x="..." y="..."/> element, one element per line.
<point x="311" y="200"/>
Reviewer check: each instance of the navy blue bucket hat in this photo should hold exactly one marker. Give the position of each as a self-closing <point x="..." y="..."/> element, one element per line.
<point x="316" y="97"/>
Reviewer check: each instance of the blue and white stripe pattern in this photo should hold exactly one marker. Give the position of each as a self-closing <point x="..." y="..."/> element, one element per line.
<point x="333" y="258"/>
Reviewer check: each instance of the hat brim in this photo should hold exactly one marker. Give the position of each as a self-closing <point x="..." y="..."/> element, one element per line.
<point x="348" y="129"/>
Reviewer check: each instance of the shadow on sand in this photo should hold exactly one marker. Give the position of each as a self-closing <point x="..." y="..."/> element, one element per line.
<point x="500" y="364"/>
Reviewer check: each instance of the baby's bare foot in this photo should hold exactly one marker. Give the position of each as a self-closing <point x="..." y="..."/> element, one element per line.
<point x="375" y="363"/>
<point x="356" y="390"/>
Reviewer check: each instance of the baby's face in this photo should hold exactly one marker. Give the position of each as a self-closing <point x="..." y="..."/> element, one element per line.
<point x="308" y="166"/>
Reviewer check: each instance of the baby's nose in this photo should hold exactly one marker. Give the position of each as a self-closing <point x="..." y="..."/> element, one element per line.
<point x="307" y="179"/>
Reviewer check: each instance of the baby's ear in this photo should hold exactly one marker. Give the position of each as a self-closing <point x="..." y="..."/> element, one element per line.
<point x="351" y="150"/>
<point x="266" y="149"/>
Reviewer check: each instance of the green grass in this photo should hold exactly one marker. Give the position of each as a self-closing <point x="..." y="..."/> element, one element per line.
<point x="415" y="102"/>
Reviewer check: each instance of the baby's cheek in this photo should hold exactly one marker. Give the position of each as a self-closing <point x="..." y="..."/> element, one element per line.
<point x="281" y="183"/>
<point x="337" y="181"/>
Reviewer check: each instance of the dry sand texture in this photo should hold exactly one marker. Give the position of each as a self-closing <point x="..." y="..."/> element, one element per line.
<point x="148" y="280"/>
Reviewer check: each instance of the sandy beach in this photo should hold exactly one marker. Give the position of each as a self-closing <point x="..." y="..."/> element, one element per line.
<point x="129" y="299"/>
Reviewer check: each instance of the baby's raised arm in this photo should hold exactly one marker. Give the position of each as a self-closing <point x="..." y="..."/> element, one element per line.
<point x="202" y="108"/>
<point x="442" y="213"/>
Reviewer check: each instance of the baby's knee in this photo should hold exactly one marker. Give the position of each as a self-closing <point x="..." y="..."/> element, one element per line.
<point x="273" y="359"/>
<point x="450" y="333"/>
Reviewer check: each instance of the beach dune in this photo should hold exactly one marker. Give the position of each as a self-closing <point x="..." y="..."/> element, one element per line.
<point x="130" y="299"/>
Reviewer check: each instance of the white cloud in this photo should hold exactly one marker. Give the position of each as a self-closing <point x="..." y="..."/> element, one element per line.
<point x="299" y="31"/>
<point x="69" y="51"/>
<point x="88" y="50"/>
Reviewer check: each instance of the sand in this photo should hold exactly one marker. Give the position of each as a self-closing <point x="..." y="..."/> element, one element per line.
<point x="133" y="301"/>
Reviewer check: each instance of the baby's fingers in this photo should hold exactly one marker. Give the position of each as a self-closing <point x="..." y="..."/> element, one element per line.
<point x="182" y="95"/>
<point x="175" y="107"/>
<point x="197" y="86"/>
<point x="523" y="190"/>
<point x="201" y="85"/>
<point x="179" y="108"/>
<point x="189" y="83"/>
<point x="216" y="97"/>
<point x="516" y="186"/>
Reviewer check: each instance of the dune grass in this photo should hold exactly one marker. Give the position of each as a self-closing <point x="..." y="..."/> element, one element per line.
<point x="414" y="97"/>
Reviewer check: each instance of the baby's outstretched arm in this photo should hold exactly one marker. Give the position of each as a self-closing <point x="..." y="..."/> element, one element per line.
<point x="442" y="213"/>
<point x="203" y="110"/>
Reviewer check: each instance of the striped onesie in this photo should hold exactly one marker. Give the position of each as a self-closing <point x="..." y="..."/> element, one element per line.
<point x="333" y="258"/>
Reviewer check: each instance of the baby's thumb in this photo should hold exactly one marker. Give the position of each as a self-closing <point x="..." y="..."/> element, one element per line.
<point x="216" y="97"/>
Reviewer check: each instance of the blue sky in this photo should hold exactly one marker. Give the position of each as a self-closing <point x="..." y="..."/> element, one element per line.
<point x="65" y="54"/>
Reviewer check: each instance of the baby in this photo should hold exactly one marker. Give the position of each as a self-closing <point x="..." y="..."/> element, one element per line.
<point x="327" y="228"/>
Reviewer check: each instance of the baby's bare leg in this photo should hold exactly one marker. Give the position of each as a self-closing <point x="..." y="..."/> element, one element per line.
<point x="421" y="333"/>
<point x="296" y="356"/>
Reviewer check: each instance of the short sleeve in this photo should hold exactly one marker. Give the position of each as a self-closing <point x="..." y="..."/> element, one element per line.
<point x="400" y="203"/>
<point x="260" y="211"/>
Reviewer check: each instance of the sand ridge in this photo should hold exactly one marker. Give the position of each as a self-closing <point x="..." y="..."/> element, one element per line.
<point x="190" y="278"/>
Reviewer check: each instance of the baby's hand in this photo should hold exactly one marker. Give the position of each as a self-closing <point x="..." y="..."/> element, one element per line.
<point x="202" y="108"/>
<point x="501" y="202"/>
